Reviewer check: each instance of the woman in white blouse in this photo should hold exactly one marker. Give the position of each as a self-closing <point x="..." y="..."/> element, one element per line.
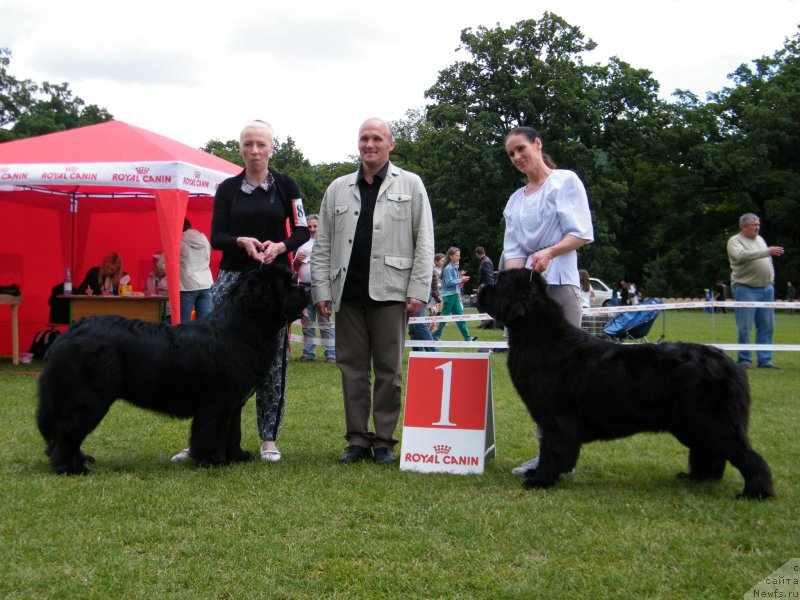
<point x="547" y="220"/>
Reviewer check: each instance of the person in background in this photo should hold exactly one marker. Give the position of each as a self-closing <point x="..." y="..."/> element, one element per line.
<point x="196" y="277"/>
<point x="422" y="331"/>
<point x="435" y="307"/>
<point x="616" y="298"/>
<point x="452" y="280"/>
<point x="587" y="293"/>
<point x="791" y="295"/>
<point x="485" y="277"/>
<point x="373" y="282"/>
<point x="156" y="284"/>
<point x="105" y="279"/>
<point x="707" y="297"/>
<point x="547" y="220"/>
<point x="720" y="295"/>
<point x="752" y="280"/>
<point x="486" y="269"/>
<point x="633" y="298"/>
<point x="258" y="220"/>
<point x="624" y="298"/>
<point x="302" y="265"/>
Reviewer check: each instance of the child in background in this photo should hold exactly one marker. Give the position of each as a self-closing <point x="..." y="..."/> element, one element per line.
<point x="452" y="281"/>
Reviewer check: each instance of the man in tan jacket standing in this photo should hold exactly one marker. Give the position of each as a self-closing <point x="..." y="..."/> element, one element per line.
<point x="752" y="280"/>
<point x="371" y="263"/>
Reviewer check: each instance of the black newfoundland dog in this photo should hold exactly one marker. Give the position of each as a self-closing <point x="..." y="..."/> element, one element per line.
<point x="203" y="370"/>
<point x="579" y="388"/>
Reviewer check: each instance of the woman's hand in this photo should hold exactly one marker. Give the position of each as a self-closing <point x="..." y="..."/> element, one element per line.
<point x="541" y="259"/>
<point x="252" y="246"/>
<point x="271" y="251"/>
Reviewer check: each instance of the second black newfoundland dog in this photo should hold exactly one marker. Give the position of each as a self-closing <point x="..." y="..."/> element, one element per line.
<point x="203" y="370"/>
<point x="579" y="388"/>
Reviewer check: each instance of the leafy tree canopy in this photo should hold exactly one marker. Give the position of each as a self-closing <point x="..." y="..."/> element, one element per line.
<point x="29" y="109"/>
<point x="666" y="181"/>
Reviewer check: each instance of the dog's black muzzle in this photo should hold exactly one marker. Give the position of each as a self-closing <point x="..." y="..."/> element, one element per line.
<point x="306" y="287"/>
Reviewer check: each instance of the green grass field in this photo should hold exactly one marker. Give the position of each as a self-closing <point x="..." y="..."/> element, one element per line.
<point x="621" y="526"/>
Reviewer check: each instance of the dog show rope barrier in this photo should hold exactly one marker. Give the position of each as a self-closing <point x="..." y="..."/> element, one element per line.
<point x="501" y="345"/>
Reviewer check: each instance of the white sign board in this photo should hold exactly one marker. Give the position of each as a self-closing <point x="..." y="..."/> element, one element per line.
<point x="448" y="424"/>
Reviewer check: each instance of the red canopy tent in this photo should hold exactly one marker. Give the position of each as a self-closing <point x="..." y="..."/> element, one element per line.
<point x="67" y="199"/>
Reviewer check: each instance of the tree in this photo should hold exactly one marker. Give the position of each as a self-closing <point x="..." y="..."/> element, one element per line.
<point x="226" y="150"/>
<point x="28" y="109"/>
<point x="594" y="119"/>
<point x="757" y="163"/>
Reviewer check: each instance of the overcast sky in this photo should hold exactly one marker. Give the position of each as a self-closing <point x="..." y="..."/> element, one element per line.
<point x="197" y="70"/>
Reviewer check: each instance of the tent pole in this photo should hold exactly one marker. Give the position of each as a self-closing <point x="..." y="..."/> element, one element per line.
<point x="73" y="210"/>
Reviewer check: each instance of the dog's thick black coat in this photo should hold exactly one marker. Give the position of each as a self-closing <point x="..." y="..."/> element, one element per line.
<point x="579" y="388"/>
<point x="204" y="370"/>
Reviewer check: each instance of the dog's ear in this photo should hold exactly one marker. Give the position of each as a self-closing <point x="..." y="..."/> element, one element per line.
<point x="486" y="299"/>
<point x="538" y="283"/>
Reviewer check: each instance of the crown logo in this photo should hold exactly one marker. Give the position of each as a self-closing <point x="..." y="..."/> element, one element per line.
<point x="442" y="449"/>
<point x="71" y="169"/>
<point x="142" y="170"/>
<point x="197" y="174"/>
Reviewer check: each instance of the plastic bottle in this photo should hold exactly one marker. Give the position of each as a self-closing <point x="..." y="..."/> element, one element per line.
<point x="67" y="281"/>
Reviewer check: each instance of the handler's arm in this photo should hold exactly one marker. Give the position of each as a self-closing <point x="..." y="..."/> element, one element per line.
<point x="541" y="259"/>
<point x="321" y="292"/>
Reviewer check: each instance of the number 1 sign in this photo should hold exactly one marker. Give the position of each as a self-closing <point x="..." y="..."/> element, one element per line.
<point x="449" y="416"/>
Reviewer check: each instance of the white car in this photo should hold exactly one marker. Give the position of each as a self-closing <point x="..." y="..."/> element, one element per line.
<point x="602" y="293"/>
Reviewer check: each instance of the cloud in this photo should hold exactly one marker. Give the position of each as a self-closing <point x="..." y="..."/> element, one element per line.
<point x="313" y="39"/>
<point x="130" y="65"/>
<point x="197" y="69"/>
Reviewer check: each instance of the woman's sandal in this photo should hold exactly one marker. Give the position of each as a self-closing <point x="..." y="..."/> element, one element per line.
<point x="271" y="455"/>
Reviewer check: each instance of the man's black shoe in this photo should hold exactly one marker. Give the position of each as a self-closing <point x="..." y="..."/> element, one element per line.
<point x="384" y="456"/>
<point x="353" y="454"/>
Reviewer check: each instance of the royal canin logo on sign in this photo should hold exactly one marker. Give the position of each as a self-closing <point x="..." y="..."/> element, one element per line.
<point x="197" y="181"/>
<point x="141" y="176"/>
<point x="7" y="174"/>
<point x="441" y="456"/>
<point x="70" y="173"/>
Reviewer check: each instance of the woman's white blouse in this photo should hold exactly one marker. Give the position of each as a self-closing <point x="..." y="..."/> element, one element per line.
<point x="557" y="209"/>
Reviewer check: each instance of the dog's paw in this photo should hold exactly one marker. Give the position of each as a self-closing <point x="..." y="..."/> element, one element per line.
<point x="242" y="456"/>
<point x="534" y="484"/>
<point x="756" y="494"/>
<point x="88" y="458"/>
<point x="753" y="496"/>
<point x="697" y="478"/>
<point x="71" y="470"/>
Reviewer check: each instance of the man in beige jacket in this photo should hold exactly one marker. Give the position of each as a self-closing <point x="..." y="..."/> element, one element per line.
<point x="371" y="264"/>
